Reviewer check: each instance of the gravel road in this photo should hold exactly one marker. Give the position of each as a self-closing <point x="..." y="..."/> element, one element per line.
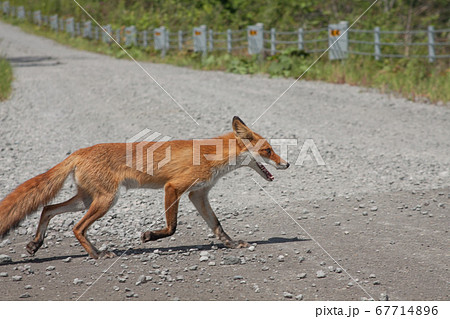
<point x="379" y="207"/>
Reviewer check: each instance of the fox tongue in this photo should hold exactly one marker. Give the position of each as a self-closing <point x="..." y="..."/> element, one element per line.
<point x="265" y="171"/>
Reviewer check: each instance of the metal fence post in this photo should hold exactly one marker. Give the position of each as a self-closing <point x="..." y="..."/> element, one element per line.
<point x="87" y="29"/>
<point x="160" y="39"/>
<point x="338" y="41"/>
<point x="21" y="13"/>
<point x="255" y="39"/>
<point x="144" y="39"/>
<point x="130" y="35"/>
<point x="210" y="40"/>
<point x="376" y="38"/>
<point x="54" y="22"/>
<point x="229" y="47"/>
<point x="273" y="48"/>
<point x="180" y="40"/>
<point x="118" y="35"/>
<point x="70" y="26"/>
<point x="300" y="39"/>
<point x="199" y="37"/>
<point x="106" y="36"/>
<point x="431" y="53"/>
<point x="37" y="17"/>
<point x="6" y="7"/>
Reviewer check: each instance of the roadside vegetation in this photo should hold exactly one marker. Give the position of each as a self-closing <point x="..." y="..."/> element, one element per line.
<point x="415" y="79"/>
<point x="6" y="77"/>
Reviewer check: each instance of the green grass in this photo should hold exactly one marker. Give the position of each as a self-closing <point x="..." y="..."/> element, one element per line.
<point x="413" y="79"/>
<point x="6" y="76"/>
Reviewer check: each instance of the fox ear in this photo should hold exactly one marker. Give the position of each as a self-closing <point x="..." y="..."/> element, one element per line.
<point x="241" y="130"/>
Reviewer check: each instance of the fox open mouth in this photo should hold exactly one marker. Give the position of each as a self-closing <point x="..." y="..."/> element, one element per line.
<point x="265" y="171"/>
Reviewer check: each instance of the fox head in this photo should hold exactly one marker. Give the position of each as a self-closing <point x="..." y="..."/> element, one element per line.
<point x="254" y="150"/>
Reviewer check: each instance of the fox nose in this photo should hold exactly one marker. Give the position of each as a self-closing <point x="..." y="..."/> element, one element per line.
<point x="284" y="165"/>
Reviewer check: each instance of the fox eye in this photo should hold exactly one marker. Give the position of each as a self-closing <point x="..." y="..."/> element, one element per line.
<point x="268" y="151"/>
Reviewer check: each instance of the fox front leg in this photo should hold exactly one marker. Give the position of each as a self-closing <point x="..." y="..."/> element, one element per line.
<point x="200" y="200"/>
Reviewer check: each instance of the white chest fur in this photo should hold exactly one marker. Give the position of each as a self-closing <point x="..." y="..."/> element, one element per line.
<point x="217" y="173"/>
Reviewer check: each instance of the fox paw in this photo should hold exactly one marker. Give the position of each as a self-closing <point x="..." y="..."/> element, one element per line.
<point x="234" y="244"/>
<point x="147" y="236"/>
<point x="106" y="254"/>
<point x="33" y="247"/>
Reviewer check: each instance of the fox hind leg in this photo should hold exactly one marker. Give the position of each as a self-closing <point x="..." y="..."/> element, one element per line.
<point x="98" y="209"/>
<point x="78" y="202"/>
<point x="171" y="199"/>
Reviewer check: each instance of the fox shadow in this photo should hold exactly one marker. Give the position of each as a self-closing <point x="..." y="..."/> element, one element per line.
<point x="185" y="248"/>
<point x="164" y="250"/>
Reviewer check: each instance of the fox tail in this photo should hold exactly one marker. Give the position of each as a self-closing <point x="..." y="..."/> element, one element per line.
<point x="27" y="197"/>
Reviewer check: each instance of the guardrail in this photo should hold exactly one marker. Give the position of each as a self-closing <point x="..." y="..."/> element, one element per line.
<point x="430" y="44"/>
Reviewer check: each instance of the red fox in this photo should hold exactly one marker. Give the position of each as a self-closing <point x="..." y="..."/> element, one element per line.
<point x="101" y="169"/>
